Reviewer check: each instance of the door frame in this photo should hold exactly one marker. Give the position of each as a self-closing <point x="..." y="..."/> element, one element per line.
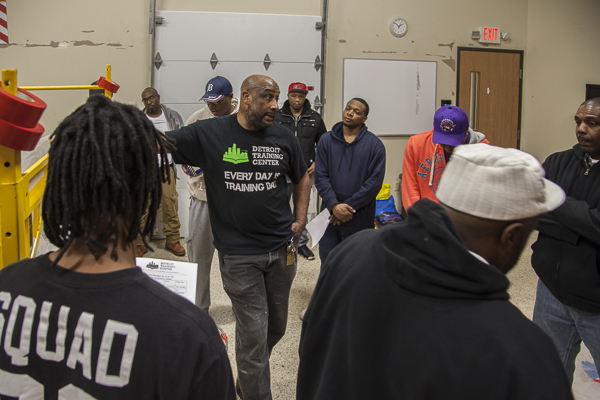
<point x="521" y="57"/>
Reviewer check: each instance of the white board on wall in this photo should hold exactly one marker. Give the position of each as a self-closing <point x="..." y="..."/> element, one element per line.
<point x="401" y="94"/>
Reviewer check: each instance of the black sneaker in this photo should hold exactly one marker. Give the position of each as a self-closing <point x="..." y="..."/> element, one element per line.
<point x="305" y="252"/>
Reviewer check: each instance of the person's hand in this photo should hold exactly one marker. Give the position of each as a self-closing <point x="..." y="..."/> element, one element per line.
<point x="333" y="220"/>
<point x="343" y="212"/>
<point x="297" y="229"/>
<point x="311" y="169"/>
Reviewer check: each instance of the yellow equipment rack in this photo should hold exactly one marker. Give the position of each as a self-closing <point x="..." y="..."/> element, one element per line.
<point x="21" y="193"/>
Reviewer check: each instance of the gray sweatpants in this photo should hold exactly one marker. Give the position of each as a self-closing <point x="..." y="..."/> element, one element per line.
<point x="201" y="249"/>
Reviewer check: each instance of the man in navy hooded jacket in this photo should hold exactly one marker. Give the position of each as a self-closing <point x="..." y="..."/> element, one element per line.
<point x="349" y="171"/>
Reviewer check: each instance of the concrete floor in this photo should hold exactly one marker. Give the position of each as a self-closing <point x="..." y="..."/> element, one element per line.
<point x="284" y="360"/>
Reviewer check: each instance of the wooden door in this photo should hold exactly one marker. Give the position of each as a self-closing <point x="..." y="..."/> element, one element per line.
<point x="489" y="90"/>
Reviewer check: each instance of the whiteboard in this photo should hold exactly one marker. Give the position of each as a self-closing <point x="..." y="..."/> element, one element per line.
<point x="401" y="94"/>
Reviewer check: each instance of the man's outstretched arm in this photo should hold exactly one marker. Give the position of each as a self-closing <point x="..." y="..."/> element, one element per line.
<point x="301" y="196"/>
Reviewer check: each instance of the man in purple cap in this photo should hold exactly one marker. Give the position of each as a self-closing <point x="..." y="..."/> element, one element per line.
<point x="219" y="102"/>
<point x="426" y="154"/>
<point x="308" y="127"/>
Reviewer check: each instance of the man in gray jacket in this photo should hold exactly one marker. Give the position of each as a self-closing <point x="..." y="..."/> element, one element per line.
<point x="164" y="119"/>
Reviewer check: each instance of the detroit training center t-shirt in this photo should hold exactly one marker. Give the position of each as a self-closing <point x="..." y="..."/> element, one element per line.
<point x="245" y="175"/>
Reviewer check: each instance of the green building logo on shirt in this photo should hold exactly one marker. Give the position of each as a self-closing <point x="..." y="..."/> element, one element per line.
<point x="235" y="155"/>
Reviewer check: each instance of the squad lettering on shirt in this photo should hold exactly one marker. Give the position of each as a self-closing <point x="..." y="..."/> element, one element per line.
<point x="22" y="339"/>
<point x="252" y="181"/>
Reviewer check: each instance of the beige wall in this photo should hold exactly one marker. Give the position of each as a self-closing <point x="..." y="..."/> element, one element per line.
<point x="562" y="55"/>
<point x="435" y="30"/>
<point x="69" y="42"/>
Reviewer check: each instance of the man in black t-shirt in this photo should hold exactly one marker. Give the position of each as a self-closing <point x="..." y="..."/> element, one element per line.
<point x="84" y="322"/>
<point x="246" y="159"/>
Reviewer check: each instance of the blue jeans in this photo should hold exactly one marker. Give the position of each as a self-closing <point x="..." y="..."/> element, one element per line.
<point x="259" y="288"/>
<point x="567" y="327"/>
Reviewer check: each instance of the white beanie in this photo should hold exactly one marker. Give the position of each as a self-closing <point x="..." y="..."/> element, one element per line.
<point x="497" y="183"/>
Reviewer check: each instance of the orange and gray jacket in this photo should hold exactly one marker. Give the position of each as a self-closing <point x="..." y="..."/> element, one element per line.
<point x="423" y="165"/>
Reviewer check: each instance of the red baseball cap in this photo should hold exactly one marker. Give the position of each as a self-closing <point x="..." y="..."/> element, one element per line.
<point x="298" y="87"/>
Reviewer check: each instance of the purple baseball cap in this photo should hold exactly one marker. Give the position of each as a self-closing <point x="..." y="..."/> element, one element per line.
<point x="216" y="88"/>
<point x="449" y="125"/>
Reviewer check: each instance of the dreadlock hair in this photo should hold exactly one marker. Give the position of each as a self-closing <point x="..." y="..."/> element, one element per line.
<point x="102" y="174"/>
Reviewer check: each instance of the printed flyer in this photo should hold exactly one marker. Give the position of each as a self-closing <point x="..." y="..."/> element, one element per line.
<point x="177" y="276"/>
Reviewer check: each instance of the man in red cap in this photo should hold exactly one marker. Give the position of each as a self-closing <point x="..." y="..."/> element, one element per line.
<point x="308" y="127"/>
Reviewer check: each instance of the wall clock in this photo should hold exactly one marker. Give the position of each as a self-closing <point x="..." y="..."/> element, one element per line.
<point x="398" y="27"/>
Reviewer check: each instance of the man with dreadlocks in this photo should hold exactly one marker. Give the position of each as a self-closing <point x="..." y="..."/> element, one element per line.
<point x="247" y="160"/>
<point x="84" y="321"/>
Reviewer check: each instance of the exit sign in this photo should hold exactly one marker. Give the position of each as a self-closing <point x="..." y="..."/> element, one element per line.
<point x="489" y="35"/>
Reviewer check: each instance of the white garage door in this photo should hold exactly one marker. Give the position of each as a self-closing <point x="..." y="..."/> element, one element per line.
<point x="240" y="43"/>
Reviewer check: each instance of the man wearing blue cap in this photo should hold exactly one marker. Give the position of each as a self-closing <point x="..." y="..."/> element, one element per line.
<point x="219" y="102"/>
<point x="426" y="154"/>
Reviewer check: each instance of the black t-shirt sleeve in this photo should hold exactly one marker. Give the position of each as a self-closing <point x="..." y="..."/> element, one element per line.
<point x="190" y="149"/>
<point x="297" y="165"/>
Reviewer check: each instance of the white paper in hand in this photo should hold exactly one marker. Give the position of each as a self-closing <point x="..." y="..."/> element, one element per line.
<point x="317" y="226"/>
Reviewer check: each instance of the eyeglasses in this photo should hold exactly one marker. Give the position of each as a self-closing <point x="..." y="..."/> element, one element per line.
<point x="148" y="99"/>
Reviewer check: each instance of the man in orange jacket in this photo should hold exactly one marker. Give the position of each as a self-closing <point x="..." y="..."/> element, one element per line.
<point x="426" y="154"/>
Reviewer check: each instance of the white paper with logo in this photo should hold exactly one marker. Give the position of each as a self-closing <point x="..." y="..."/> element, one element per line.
<point x="177" y="276"/>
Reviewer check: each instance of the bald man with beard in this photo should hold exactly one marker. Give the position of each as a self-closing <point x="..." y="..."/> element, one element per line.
<point x="245" y="159"/>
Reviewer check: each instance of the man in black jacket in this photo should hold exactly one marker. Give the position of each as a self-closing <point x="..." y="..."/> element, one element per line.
<point x="308" y="127"/>
<point x="419" y="310"/>
<point x="566" y="255"/>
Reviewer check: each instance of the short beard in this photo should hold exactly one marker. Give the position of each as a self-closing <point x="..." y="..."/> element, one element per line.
<point x="350" y="126"/>
<point x="255" y="120"/>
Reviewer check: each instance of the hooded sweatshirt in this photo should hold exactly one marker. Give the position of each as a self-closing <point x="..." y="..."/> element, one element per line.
<point x="350" y="173"/>
<point x="421" y="156"/>
<point x="407" y="312"/>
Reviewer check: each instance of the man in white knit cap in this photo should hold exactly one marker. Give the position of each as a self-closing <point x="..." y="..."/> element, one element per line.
<point x="426" y="300"/>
